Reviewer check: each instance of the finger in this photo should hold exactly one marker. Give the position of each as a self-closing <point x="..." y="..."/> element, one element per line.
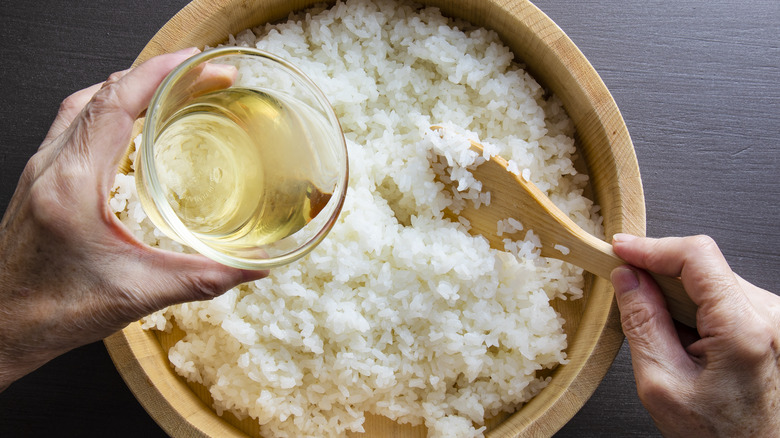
<point x="647" y="325"/>
<point x="178" y="278"/>
<point x="69" y="109"/>
<point x="115" y="77"/>
<point x="704" y="271"/>
<point x="131" y="92"/>
<point x="705" y="274"/>
<point x="206" y="78"/>
<point x="103" y="129"/>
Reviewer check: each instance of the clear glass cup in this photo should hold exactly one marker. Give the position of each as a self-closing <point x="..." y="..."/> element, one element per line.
<point x="242" y="159"/>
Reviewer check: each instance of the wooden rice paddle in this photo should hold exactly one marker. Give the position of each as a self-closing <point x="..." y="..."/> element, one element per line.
<point x="511" y="196"/>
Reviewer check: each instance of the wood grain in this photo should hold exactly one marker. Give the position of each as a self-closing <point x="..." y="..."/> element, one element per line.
<point x="512" y="196"/>
<point x="696" y="83"/>
<point x="603" y="140"/>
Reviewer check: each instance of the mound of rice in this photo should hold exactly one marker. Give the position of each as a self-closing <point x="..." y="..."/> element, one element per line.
<point x="399" y="312"/>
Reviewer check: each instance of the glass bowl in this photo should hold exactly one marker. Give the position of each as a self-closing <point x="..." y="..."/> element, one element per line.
<point x="242" y="159"/>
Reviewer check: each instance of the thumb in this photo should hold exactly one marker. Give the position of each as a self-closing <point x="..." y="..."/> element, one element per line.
<point x="102" y="130"/>
<point x="648" y="327"/>
<point x="177" y="278"/>
<point x="69" y="110"/>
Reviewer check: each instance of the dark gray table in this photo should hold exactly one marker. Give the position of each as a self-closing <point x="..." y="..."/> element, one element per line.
<point x="698" y="83"/>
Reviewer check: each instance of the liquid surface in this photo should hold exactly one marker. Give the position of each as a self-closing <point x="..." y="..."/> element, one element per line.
<point x="230" y="165"/>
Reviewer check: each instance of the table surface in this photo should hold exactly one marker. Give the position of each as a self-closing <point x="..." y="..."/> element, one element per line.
<point x="698" y="84"/>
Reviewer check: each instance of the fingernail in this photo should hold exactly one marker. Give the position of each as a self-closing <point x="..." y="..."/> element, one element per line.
<point x="623" y="237"/>
<point x="624" y="279"/>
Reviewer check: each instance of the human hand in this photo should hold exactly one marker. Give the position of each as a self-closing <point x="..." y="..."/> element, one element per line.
<point x="70" y="272"/>
<point x="723" y="381"/>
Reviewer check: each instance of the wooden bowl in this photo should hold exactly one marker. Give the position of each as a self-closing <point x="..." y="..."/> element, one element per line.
<point x="592" y="326"/>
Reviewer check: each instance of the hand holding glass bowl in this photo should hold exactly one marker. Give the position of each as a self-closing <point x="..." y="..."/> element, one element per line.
<point x="250" y="172"/>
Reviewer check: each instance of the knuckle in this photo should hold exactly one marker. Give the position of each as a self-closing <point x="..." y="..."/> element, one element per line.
<point x="105" y="98"/>
<point x="655" y="390"/>
<point x="106" y="102"/>
<point x="54" y="203"/>
<point x="758" y="343"/>
<point x="702" y="244"/>
<point x="637" y="320"/>
<point x="663" y="393"/>
<point x="46" y="207"/>
<point x="71" y="104"/>
<point x="115" y="77"/>
<point x="34" y="167"/>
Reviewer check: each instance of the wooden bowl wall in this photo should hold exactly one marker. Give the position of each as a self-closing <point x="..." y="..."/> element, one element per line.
<point x="592" y="326"/>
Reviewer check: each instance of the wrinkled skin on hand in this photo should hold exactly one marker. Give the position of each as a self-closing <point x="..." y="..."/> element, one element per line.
<point x="723" y="381"/>
<point x="70" y="273"/>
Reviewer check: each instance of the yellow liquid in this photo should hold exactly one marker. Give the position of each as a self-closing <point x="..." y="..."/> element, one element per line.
<point x="231" y="164"/>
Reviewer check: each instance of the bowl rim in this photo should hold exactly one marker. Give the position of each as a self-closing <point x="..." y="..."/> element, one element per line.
<point x="139" y="356"/>
<point x="164" y="211"/>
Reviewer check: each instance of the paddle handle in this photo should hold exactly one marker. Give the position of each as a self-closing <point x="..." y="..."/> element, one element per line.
<point x="597" y="256"/>
<point x="561" y="237"/>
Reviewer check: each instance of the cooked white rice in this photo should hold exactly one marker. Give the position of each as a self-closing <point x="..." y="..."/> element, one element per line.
<point x="399" y="312"/>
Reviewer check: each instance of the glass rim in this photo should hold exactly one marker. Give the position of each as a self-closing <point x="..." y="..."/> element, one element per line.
<point x="151" y="180"/>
